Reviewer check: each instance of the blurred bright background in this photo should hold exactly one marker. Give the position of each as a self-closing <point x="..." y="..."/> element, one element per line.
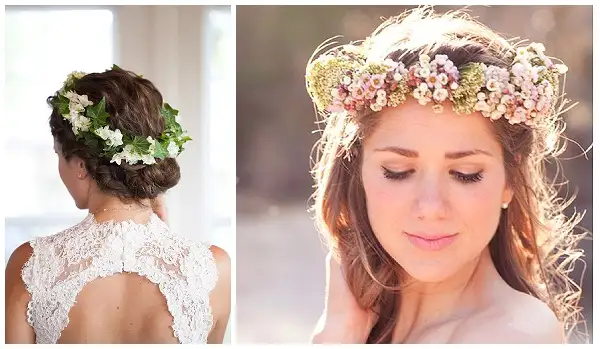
<point x="281" y="275"/>
<point x="184" y="50"/>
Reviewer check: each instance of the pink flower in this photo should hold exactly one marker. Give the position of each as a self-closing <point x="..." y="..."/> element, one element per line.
<point x="358" y="92"/>
<point x="377" y="81"/>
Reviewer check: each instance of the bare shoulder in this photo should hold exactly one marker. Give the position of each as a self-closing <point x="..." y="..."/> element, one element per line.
<point x="222" y="260"/>
<point x="220" y="297"/>
<point x="518" y="318"/>
<point x="17" y="328"/>
<point x="17" y="260"/>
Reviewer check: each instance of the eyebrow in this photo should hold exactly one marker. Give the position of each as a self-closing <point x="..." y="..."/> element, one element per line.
<point x="452" y="155"/>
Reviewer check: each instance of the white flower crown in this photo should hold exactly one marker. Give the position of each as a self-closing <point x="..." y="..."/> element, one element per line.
<point x="89" y="123"/>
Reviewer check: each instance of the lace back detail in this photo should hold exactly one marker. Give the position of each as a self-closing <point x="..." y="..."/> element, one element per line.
<point x="62" y="264"/>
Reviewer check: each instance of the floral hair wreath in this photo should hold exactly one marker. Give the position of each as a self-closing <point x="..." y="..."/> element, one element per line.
<point x="89" y="123"/>
<point x="343" y="80"/>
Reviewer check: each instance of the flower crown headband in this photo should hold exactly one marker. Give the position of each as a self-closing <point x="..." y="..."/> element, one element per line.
<point x="89" y="122"/>
<point x="343" y="80"/>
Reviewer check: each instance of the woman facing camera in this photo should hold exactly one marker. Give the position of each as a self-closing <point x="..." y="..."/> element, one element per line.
<point x="121" y="275"/>
<point x="431" y="187"/>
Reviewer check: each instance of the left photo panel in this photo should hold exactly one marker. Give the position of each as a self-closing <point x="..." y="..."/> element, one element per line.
<point x="120" y="213"/>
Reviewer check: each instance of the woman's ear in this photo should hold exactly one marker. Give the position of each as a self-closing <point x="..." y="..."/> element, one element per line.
<point x="81" y="169"/>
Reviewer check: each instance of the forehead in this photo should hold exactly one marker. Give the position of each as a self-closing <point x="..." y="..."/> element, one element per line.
<point x="414" y="126"/>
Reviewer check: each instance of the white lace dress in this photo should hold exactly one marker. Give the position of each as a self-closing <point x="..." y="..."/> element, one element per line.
<point x="62" y="264"/>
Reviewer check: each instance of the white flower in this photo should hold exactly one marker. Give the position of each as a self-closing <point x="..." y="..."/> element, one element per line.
<point x="538" y="48"/>
<point x="561" y="68"/>
<point x="80" y="123"/>
<point x="397" y="76"/>
<point x="505" y="99"/>
<point x="440" y="95"/>
<point x="390" y="63"/>
<point x="481" y="96"/>
<point x="520" y="113"/>
<point x="376" y="107"/>
<point x="522" y="53"/>
<point x="382" y="101"/>
<point x="130" y="156"/>
<point x="152" y="147"/>
<point x="112" y="138"/>
<point x="148" y="159"/>
<point x="518" y="69"/>
<point x="115" y="138"/>
<point x="76" y="107"/>
<point x="449" y="66"/>
<point x="103" y="132"/>
<point x="335" y="93"/>
<point x="117" y="158"/>
<point x="438" y="108"/>
<point x="492" y="85"/>
<point x="84" y="101"/>
<point x="72" y="96"/>
<point x="423" y="72"/>
<point x="443" y="78"/>
<point x="76" y="75"/>
<point x="441" y="59"/>
<point x="517" y="80"/>
<point x="501" y="108"/>
<point x="424" y="59"/>
<point x="548" y="91"/>
<point x="172" y="149"/>
<point x="381" y="94"/>
<point x="416" y="93"/>
<point x="423" y="87"/>
<point x="482" y="106"/>
<point x="495" y="115"/>
<point x="453" y="85"/>
<point x="494" y="97"/>
<point x="346" y="80"/>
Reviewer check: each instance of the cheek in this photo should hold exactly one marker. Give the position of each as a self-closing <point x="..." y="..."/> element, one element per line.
<point x="386" y="201"/>
<point x="477" y="209"/>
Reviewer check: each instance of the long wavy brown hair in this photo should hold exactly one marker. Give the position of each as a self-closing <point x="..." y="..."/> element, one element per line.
<point x="535" y="246"/>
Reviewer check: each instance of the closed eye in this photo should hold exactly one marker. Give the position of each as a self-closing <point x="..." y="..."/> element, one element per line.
<point x="466" y="178"/>
<point x="396" y="175"/>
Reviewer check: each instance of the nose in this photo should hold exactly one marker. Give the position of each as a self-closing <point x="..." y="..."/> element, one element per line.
<point x="431" y="199"/>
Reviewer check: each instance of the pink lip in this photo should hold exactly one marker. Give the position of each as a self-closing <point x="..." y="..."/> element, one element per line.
<point x="431" y="242"/>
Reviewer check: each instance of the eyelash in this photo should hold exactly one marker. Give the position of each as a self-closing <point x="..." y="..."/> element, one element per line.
<point x="466" y="178"/>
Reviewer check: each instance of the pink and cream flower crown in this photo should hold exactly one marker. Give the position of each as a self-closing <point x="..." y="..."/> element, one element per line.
<point x="344" y="80"/>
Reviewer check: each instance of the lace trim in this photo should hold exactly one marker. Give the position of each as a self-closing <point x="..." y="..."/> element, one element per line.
<point x="62" y="264"/>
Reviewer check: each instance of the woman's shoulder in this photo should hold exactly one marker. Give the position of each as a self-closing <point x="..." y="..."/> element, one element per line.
<point x="222" y="263"/>
<point x="516" y="318"/>
<point x="14" y="283"/>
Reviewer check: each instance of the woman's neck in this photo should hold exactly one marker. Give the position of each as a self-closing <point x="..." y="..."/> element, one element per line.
<point x="425" y="305"/>
<point x="107" y="207"/>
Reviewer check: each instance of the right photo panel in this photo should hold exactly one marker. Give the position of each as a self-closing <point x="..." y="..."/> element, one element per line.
<point x="414" y="174"/>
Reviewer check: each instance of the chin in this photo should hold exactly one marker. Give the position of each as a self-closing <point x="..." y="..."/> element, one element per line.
<point x="430" y="271"/>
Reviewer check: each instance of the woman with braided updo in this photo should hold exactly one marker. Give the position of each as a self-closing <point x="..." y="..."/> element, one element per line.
<point x="121" y="275"/>
<point x="431" y="187"/>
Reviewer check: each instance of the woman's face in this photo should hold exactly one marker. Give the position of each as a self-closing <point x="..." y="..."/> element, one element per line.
<point x="435" y="185"/>
<point x="74" y="176"/>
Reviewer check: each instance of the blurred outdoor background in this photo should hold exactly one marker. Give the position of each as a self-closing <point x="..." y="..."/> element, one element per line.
<point x="184" y="50"/>
<point x="280" y="283"/>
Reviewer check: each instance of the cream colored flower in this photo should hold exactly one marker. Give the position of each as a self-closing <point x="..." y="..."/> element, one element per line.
<point x="172" y="149"/>
<point x="440" y="95"/>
